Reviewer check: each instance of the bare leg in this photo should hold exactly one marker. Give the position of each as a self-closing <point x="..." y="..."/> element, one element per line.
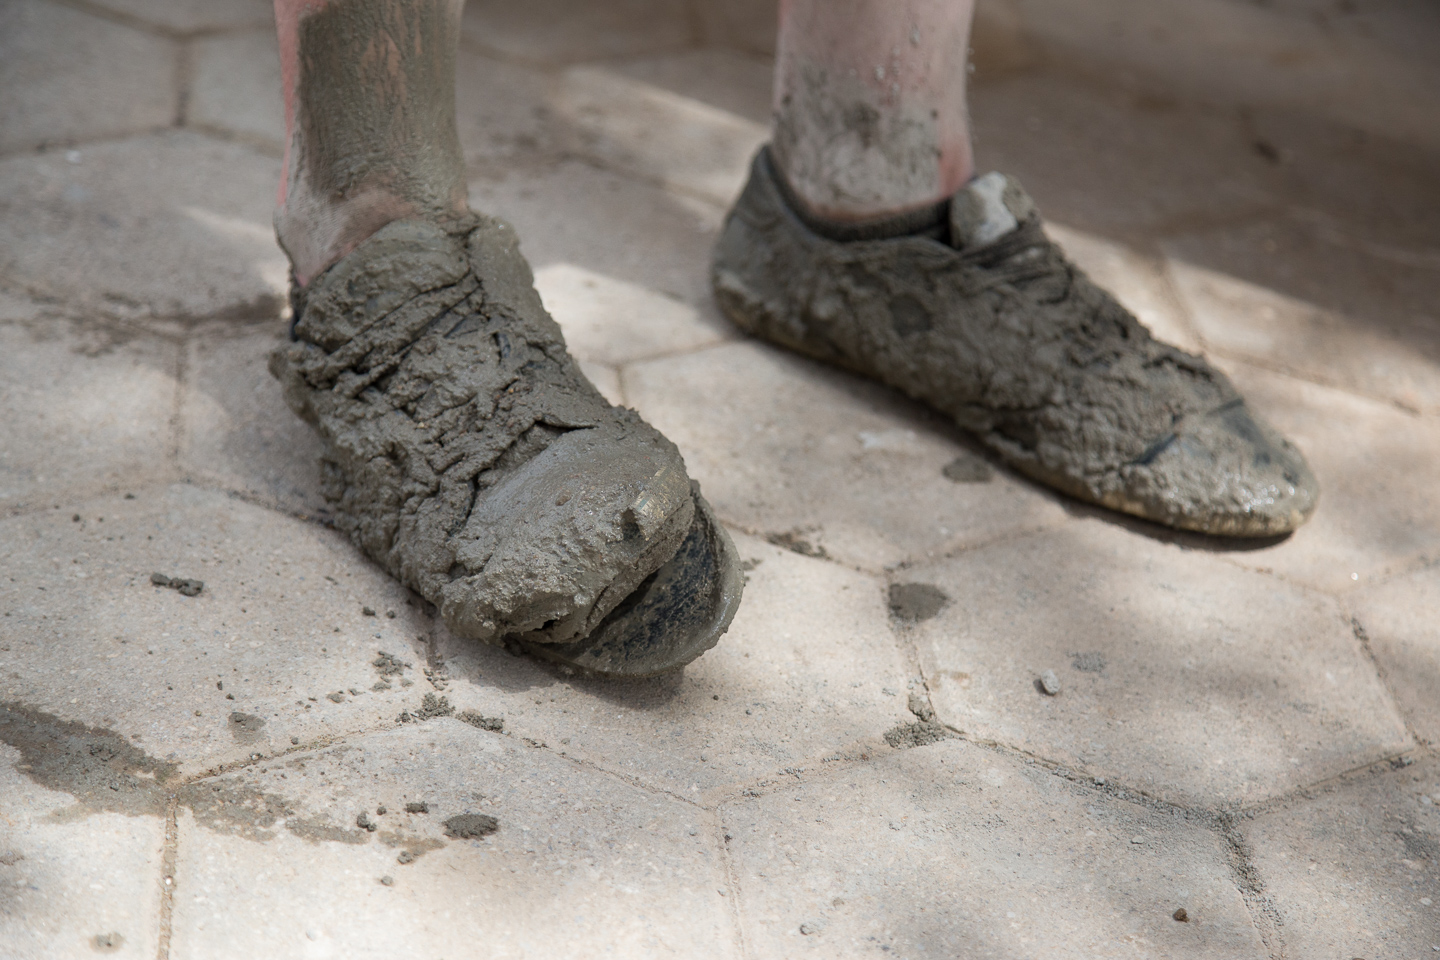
<point x="870" y="115"/>
<point x="369" y="122"/>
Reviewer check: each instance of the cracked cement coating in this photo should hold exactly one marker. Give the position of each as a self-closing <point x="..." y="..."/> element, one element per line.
<point x="465" y="451"/>
<point x="991" y="325"/>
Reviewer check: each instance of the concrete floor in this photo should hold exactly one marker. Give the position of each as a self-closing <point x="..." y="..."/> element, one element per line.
<point x="1245" y="731"/>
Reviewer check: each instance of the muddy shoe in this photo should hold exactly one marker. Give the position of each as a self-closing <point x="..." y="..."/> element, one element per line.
<point x="970" y="308"/>
<point x="467" y="455"/>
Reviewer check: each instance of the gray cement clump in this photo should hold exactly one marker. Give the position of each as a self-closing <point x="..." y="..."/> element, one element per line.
<point x="970" y="308"/>
<point x="464" y="450"/>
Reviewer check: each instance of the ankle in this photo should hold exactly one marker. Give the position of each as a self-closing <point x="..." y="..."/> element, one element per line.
<point x="315" y="234"/>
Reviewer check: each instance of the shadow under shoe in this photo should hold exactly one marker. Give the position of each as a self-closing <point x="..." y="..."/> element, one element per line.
<point x="467" y="454"/>
<point x="972" y="310"/>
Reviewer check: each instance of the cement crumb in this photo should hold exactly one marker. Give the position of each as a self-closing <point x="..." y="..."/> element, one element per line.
<point x="470" y="826"/>
<point x="921" y="734"/>
<point x="186" y="587"/>
<point x="493" y="724"/>
<point x="968" y="468"/>
<point x="915" y="602"/>
<point x="430" y="708"/>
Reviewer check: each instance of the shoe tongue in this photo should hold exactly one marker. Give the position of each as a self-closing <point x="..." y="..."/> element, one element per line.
<point x="986" y="209"/>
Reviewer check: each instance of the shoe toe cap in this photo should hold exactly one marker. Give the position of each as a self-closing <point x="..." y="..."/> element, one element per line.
<point x="1226" y="473"/>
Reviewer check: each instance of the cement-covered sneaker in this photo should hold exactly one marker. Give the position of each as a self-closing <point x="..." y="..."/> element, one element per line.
<point x="971" y="309"/>
<point x="467" y="455"/>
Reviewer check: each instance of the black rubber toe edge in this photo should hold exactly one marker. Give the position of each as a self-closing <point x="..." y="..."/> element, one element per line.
<point x="677" y="614"/>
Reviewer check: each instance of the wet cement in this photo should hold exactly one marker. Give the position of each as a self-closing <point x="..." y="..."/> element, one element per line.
<point x="994" y="327"/>
<point x="471" y="826"/>
<point x="465" y="451"/>
<point x="105" y="773"/>
<point x="100" y="768"/>
<point x="914" y="602"/>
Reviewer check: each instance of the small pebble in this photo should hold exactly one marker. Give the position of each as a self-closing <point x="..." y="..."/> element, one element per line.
<point x="380" y="810"/>
<point x="1049" y="683"/>
<point x="405" y="857"/>
<point x="388" y="881"/>
<point x="1182" y="916"/>
<point x="367" y="611"/>
<point x="421" y="807"/>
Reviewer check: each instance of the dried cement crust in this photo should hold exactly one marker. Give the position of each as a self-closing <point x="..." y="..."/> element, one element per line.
<point x="991" y="325"/>
<point x="465" y="452"/>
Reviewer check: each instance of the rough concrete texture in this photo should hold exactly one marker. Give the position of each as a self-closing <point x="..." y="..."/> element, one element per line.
<point x="731" y="81"/>
<point x="1398" y="621"/>
<point x="194" y="16"/>
<point x="1363" y="319"/>
<point x="279" y="626"/>
<point x="237" y="87"/>
<point x="86" y="407"/>
<point x="997" y="330"/>
<point x="172" y="226"/>
<point x="1352" y="869"/>
<point x="567" y="211"/>
<point x="956" y="850"/>
<point x="1376" y="461"/>
<point x="69" y="77"/>
<point x="612" y="322"/>
<point x="237" y="431"/>
<point x="873" y="489"/>
<point x="562" y="31"/>
<point x="71" y="872"/>
<point x="251" y="890"/>
<point x="1244" y="687"/>
<point x="805" y="675"/>
<point x="822" y="671"/>
<point x="674" y="140"/>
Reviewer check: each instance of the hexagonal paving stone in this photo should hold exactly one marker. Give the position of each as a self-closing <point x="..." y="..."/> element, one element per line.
<point x="85" y="407"/>
<point x="1398" y="618"/>
<point x="1354" y="870"/>
<point x="236" y="86"/>
<point x="276" y="646"/>
<point x="743" y="24"/>
<point x="570" y="212"/>
<point x="737" y="83"/>
<point x="808" y="670"/>
<point x="238" y="430"/>
<point x="657" y="134"/>
<point x="578" y="859"/>
<point x="827" y="462"/>
<point x="561" y="31"/>
<point x="1378" y="514"/>
<point x="69" y="76"/>
<point x="194" y="16"/>
<point x="171" y="225"/>
<point x="1180" y="675"/>
<point x="954" y="850"/>
<point x="80" y="874"/>
<point x="1325" y="307"/>
<point x="613" y="322"/>
<point x="501" y="111"/>
<point x="1113" y="163"/>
